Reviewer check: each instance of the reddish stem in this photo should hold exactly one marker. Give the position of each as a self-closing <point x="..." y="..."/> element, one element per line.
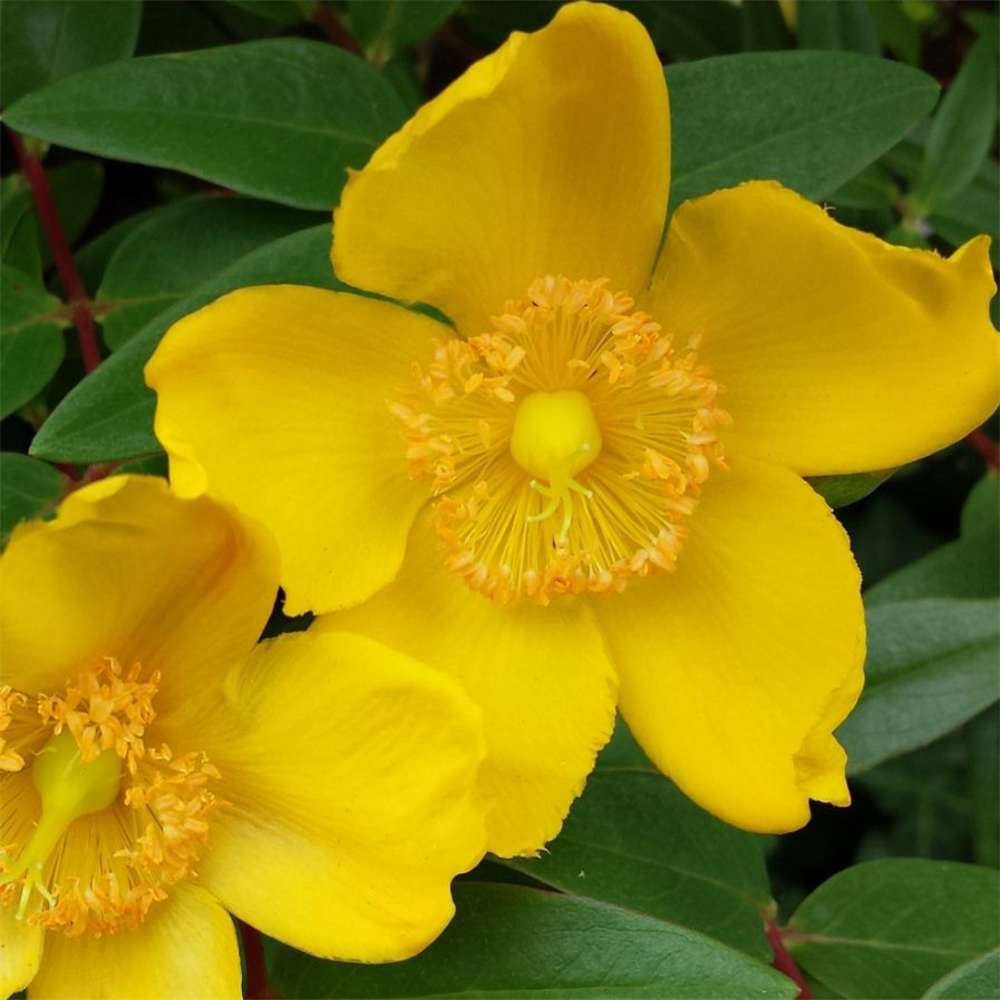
<point x="334" y="30"/>
<point x="33" y="170"/>
<point x="986" y="447"/>
<point x="257" y="986"/>
<point x="783" y="960"/>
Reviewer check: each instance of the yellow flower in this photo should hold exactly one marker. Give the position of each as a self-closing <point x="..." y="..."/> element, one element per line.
<point x="156" y="772"/>
<point x="598" y="494"/>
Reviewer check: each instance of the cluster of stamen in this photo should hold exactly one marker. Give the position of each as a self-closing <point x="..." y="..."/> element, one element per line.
<point x="566" y="447"/>
<point x="96" y="825"/>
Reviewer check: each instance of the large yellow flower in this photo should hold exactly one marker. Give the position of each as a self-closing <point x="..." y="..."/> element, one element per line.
<point x="155" y="775"/>
<point x="590" y="485"/>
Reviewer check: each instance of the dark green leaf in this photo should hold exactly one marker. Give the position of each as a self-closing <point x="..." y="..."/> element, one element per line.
<point x="837" y="24"/>
<point x="963" y="127"/>
<point x="287" y="13"/>
<point x="109" y="415"/>
<point x="978" y="979"/>
<point x="44" y="40"/>
<point x="839" y="491"/>
<point x="764" y="27"/>
<point x="513" y="942"/>
<point x="890" y="929"/>
<point x="932" y="665"/>
<point x="636" y="841"/>
<point x="972" y="212"/>
<point x="982" y="737"/>
<point x="281" y="118"/>
<point x="383" y="27"/>
<point x="180" y="249"/>
<point x="19" y="244"/>
<point x="28" y="488"/>
<point x="965" y="568"/>
<point x="690" y="29"/>
<point x="31" y="340"/>
<point x="811" y="120"/>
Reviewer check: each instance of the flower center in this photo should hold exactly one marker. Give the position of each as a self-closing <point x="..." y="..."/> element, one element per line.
<point x="574" y="403"/>
<point x="98" y="825"/>
<point x="554" y="437"/>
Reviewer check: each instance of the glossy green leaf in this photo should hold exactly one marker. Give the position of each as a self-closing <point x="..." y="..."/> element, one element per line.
<point x="839" y="491"/>
<point x="891" y="929"/>
<point x="837" y="24"/>
<point x="811" y="120"/>
<point x="28" y="488"/>
<point x="19" y="244"/>
<point x="963" y="128"/>
<point x="383" y="27"/>
<point x="171" y="255"/>
<point x="109" y="415"/>
<point x="977" y="979"/>
<point x="514" y="942"/>
<point x="31" y="340"/>
<point x="44" y="40"/>
<point x="636" y="841"/>
<point x="932" y="665"/>
<point x="282" y="119"/>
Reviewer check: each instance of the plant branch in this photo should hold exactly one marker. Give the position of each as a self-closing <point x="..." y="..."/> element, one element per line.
<point x="257" y="986"/>
<point x="986" y="447"/>
<point x="83" y="320"/>
<point x="783" y="960"/>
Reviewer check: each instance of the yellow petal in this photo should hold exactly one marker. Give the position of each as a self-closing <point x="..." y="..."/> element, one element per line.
<point x="20" y="951"/>
<point x="550" y="156"/>
<point x="839" y="353"/>
<point x="186" y="947"/>
<point x="350" y="774"/>
<point x="129" y="570"/>
<point x="275" y="398"/>
<point x="736" y="668"/>
<point x="540" y="676"/>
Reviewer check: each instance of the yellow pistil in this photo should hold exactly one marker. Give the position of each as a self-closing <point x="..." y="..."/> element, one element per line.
<point x="555" y="436"/>
<point x="573" y="392"/>
<point x="106" y="823"/>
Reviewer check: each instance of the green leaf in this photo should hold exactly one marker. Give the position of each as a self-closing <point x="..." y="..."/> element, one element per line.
<point x="978" y="979"/>
<point x="31" y="340"/>
<point x="962" y="130"/>
<point x="839" y="491"/>
<point x="636" y="841"/>
<point x="44" y="40"/>
<point x="689" y="29"/>
<point x="811" y="120"/>
<point x="282" y="119"/>
<point x="932" y="665"/>
<point x="836" y="24"/>
<point x="890" y="929"/>
<point x="19" y="244"/>
<point x="513" y="942"/>
<point x="897" y="32"/>
<point x="28" y="488"/>
<point x="109" y="415"/>
<point x="383" y="27"/>
<point x="172" y="254"/>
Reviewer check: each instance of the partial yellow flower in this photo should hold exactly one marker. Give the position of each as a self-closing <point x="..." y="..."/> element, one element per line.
<point x="588" y="490"/>
<point x="157" y="769"/>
